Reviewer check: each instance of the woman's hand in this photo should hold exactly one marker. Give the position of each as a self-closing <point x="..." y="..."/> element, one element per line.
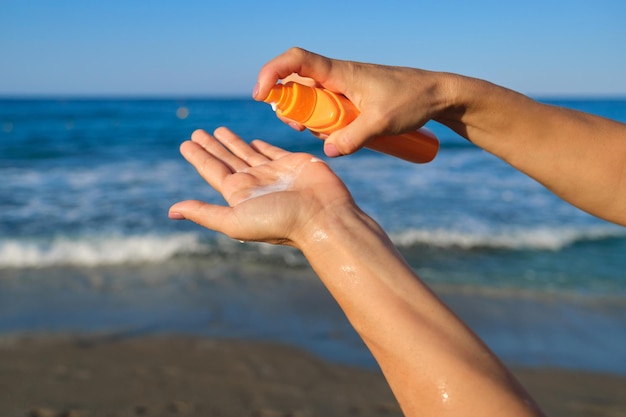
<point x="392" y="100"/>
<point x="274" y="195"/>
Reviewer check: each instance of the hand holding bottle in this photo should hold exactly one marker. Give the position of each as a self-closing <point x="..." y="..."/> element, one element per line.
<point x="389" y="99"/>
<point x="325" y="112"/>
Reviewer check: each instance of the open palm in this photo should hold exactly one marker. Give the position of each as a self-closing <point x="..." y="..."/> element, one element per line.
<point x="273" y="194"/>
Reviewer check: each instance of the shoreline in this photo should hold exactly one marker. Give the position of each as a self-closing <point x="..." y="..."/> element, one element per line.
<point x="290" y="305"/>
<point x="166" y="374"/>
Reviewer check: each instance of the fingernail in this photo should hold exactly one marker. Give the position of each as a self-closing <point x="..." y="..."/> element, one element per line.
<point x="255" y="92"/>
<point x="331" y="150"/>
<point x="175" y="215"/>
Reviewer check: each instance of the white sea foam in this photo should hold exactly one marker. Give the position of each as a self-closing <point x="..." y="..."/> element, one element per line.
<point x="95" y="251"/>
<point x="541" y="238"/>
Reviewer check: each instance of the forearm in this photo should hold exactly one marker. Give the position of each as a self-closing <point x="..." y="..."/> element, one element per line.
<point x="580" y="157"/>
<point x="434" y="364"/>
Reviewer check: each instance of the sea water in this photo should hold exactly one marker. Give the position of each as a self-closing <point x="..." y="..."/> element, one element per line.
<point x="85" y="186"/>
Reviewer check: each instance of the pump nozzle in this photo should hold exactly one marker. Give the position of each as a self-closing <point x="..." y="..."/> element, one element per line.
<point x="293" y="101"/>
<point x="275" y="94"/>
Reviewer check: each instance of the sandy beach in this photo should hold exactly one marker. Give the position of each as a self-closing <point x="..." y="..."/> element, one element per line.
<point x="113" y="375"/>
<point x="266" y="344"/>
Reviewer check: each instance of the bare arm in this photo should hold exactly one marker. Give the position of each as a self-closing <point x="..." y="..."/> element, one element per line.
<point x="434" y="364"/>
<point x="580" y="157"/>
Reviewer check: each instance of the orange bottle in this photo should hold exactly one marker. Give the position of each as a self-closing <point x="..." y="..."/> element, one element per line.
<point x="323" y="111"/>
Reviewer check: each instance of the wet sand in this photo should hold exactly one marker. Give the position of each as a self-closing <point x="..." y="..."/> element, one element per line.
<point x="113" y="375"/>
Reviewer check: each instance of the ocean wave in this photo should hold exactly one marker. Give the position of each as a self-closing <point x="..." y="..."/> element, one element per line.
<point x="119" y="249"/>
<point x="542" y="238"/>
<point x="93" y="251"/>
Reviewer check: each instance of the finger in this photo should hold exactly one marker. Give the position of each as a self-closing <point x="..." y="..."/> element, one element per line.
<point x="215" y="148"/>
<point x="295" y="60"/>
<point x="239" y="147"/>
<point x="212" y="169"/>
<point x="294" y="125"/>
<point x="270" y="151"/>
<point x="211" y="216"/>
<point x="352" y="137"/>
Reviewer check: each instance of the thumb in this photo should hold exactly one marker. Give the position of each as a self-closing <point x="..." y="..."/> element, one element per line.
<point x="352" y="137"/>
<point x="214" y="217"/>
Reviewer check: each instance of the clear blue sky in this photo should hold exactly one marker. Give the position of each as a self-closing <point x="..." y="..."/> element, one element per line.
<point x="215" y="47"/>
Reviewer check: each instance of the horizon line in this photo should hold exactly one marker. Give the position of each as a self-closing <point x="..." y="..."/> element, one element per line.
<point x="243" y="96"/>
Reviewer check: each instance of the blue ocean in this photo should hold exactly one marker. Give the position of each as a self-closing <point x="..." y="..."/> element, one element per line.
<point x="86" y="245"/>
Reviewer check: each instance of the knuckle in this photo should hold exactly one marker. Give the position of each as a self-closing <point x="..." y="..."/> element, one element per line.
<point x="297" y="52"/>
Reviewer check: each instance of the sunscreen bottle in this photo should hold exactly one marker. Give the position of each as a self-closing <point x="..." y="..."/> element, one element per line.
<point x="323" y="111"/>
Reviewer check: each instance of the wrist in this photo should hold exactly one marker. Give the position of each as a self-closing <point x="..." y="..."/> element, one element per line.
<point x="451" y="101"/>
<point x="341" y="235"/>
<point x="331" y="226"/>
